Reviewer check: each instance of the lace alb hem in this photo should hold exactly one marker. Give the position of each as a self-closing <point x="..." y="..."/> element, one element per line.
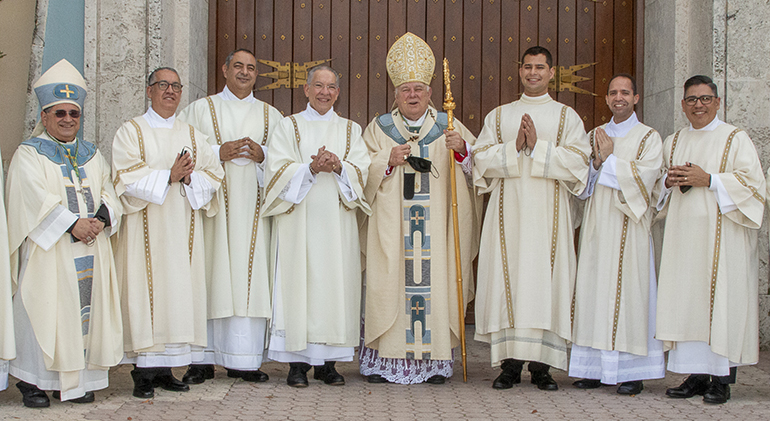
<point x="402" y="371"/>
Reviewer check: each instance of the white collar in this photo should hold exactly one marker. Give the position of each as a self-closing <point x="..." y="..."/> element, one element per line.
<point x="621" y="129"/>
<point x="544" y="96"/>
<point x="310" y="114"/>
<point x="156" y="121"/>
<point x="228" y="95"/>
<point x="716" y="122"/>
<point x="416" y="123"/>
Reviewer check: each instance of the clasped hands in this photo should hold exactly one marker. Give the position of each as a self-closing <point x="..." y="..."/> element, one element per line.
<point x="688" y="174"/>
<point x="181" y="170"/>
<point x="241" y="148"/>
<point x="86" y="229"/>
<point x="527" y="135"/>
<point x="603" y="147"/>
<point x="325" y="161"/>
<point x="453" y="141"/>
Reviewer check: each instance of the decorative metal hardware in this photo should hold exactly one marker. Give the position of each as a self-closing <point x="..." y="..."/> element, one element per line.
<point x="564" y="79"/>
<point x="289" y="75"/>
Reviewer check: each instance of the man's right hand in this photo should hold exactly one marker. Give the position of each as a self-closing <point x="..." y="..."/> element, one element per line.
<point x="86" y="229"/>
<point x="182" y="168"/>
<point x="521" y="138"/>
<point x="399" y="154"/>
<point x="231" y="150"/>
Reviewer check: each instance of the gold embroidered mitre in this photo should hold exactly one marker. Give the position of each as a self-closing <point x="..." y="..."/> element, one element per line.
<point x="410" y="59"/>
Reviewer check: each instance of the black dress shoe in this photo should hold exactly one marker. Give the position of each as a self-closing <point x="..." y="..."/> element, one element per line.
<point x="143" y="388"/>
<point x="587" y="384"/>
<point x="631" y="388"/>
<point x="167" y="381"/>
<point x="507" y="379"/>
<point x="544" y="381"/>
<point x="196" y="374"/>
<point x="235" y="374"/>
<point x="437" y="379"/>
<point x="696" y="384"/>
<point x="297" y="374"/>
<point x="717" y="393"/>
<point x="328" y="374"/>
<point x="376" y="378"/>
<point x="257" y="376"/>
<point x="32" y="396"/>
<point x="87" y="398"/>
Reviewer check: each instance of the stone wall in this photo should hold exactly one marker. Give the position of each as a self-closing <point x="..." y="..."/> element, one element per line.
<point x="724" y="39"/>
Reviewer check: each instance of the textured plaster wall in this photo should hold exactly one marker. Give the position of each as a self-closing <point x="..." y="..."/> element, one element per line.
<point x="727" y="40"/>
<point x="124" y="41"/>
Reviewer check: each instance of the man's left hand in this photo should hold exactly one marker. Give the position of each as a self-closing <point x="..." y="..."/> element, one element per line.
<point x="255" y="151"/>
<point x="688" y="175"/>
<point x="455" y="142"/>
<point x="529" y="131"/>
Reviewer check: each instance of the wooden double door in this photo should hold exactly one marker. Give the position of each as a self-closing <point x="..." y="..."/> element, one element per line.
<point x="483" y="40"/>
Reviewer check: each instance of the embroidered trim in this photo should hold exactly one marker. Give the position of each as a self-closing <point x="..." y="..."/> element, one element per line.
<point x="254" y="228"/>
<point x="555" y="223"/>
<point x="276" y="177"/>
<point x="347" y="144"/>
<point x="481" y="149"/>
<point x="498" y="112"/>
<point x="218" y="136"/>
<point x="579" y="152"/>
<point x="718" y="237"/>
<point x="127" y="170"/>
<point x="635" y="170"/>
<point x="754" y="193"/>
<point x="210" y="174"/>
<point x="360" y="175"/>
<point x="673" y="147"/>
<point x="504" y="252"/>
<point x="266" y="123"/>
<point x="296" y="128"/>
<point x="191" y="240"/>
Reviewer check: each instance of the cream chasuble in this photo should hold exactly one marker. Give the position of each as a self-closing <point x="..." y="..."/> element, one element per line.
<point x="316" y="240"/>
<point x="709" y="262"/>
<point x="67" y="293"/>
<point x="527" y="257"/>
<point x="411" y="290"/>
<point x="237" y="239"/>
<point x="161" y="257"/>
<point x="7" y="343"/>
<point x="613" y="276"/>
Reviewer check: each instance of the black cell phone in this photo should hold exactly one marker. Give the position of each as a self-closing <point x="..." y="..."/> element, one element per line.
<point x="184" y="151"/>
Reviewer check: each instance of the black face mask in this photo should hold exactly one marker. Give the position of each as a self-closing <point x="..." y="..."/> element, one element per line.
<point x="419" y="164"/>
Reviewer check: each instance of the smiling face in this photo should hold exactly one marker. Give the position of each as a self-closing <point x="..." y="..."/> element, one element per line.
<point x="700" y="115"/>
<point x="322" y="91"/>
<point x="412" y="99"/>
<point x="241" y="75"/>
<point x="535" y="73"/>
<point x="65" y="128"/>
<point x="166" y="101"/>
<point x="621" y="99"/>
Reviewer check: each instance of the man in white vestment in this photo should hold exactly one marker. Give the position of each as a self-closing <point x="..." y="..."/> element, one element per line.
<point x="165" y="173"/>
<point x="316" y="173"/>
<point x="409" y="240"/>
<point x="7" y="341"/>
<point x="713" y="199"/>
<point x="62" y="209"/>
<point x="531" y="155"/>
<point x="237" y="240"/>
<point x="615" y="291"/>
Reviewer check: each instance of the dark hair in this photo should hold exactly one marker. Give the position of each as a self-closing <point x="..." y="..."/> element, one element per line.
<point x="232" y="53"/>
<point x="151" y="79"/>
<point x="701" y="80"/>
<point x="625" y="75"/>
<point x="312" y="71"/>
<point x="536" y="51"/>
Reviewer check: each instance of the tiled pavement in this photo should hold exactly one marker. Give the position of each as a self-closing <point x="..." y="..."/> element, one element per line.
<point x="224" y="398"/>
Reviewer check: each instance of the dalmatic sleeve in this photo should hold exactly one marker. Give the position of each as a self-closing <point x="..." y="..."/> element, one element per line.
<point x="282" y="163"/>
<point x="379" y="148"/>
<point x="567" y="162"/>
<point x="494" y="153"/>
<point x="357" y="167"/>
<point x="128" y="167"/>
<point x="637" y="178"/>
<point x="744" y="182"/>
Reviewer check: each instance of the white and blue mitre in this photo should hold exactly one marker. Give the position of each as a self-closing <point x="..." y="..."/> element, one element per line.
<point x="61" y="84"/>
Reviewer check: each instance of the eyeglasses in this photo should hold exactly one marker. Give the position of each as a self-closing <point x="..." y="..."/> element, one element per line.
<point x="163" y="85"/>
<point x="704" y="99"/>
<point x="63" y="113"/>
<point x="321" y="86"/>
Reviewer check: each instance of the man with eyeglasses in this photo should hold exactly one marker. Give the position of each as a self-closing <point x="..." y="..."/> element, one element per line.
<point x="409" y="239"/>
<point x="62" y="209"/>
<point x="713" y="199"/>
<point x="532" y="156"/>
<point x="165" y="174"/>
<point x="237" y="239"/>
<point x="316" y="173"/>
<point x="613" y="329"/>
